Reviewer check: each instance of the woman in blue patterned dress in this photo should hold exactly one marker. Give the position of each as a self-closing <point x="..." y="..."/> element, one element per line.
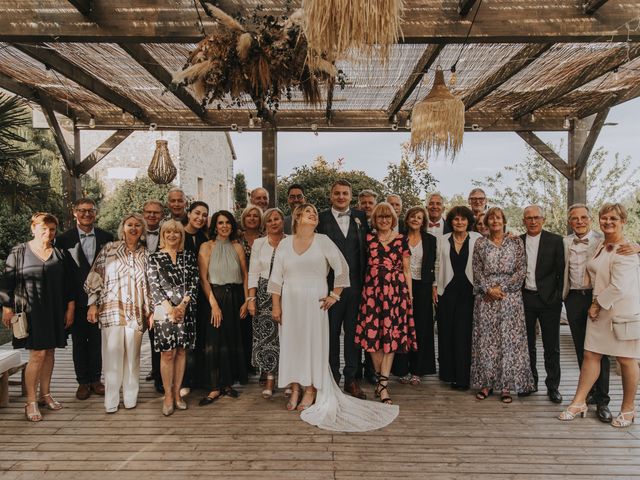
<point x="499" y="354"/>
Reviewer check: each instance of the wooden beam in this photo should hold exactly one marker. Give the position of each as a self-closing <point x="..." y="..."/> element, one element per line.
<point x="616" y="58"/>
<point x="464" y="6"/>
<point x="102" y="151"/>
<point x="144" y="21"/>
<point x="151" y="65"/>
<point x="52" y="59"/>
<point x="611" y="100"/>
<point x="85" y="7"/>
<point x="270" y="163"/>
<point x="33" y="94"/>
<point x="525" y="57"/>
<point x="587" y="147"/>
<point x="65" y="151"/>
<point x="591" y="6"/>
<point x="415" y="77"/>
<point x="546" y="152"/>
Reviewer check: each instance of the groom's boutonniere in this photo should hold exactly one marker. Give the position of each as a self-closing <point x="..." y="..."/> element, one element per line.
<point x="358" y="223"/>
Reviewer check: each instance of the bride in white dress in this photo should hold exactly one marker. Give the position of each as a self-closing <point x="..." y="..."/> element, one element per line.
<point x="298" y="285"/>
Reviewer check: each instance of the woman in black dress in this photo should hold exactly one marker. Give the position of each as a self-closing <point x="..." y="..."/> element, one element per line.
<point x="453" y="294"/>
<point x="35" y="282"/>
<point x="195" y="228"/>
<point x="173" y="280"/>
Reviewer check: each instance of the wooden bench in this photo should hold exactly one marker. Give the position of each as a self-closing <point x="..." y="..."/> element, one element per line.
<point x="10" y="364"/>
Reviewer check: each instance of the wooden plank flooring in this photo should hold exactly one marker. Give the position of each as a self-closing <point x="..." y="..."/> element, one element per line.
<point x="439" y="434"/>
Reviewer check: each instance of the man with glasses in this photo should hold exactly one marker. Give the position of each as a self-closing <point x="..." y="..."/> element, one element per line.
<point x="295" y="197"/>
<point x="542" y="296"/>
<point x="83" y="242"/>
<point x="477" y="201"/>
<point x="152" y="211"/>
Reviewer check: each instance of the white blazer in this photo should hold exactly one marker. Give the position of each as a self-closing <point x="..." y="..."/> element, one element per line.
<point x="597" y="238"/>
<point x="616" y="284"/>
<point x="444" y="270"/>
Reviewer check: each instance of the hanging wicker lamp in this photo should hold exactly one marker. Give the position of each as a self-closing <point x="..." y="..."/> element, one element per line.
<point x="161" y="169"/>
<point x="334" y="26"/>
<point x="437" y="122"/>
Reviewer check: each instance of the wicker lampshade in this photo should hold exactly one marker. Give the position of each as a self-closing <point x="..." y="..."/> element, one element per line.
<point x="161" y="169"/>
<point x="437" y="122"/>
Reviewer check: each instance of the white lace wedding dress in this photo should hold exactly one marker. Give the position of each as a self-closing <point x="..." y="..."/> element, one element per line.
<point x="304" y="337"/>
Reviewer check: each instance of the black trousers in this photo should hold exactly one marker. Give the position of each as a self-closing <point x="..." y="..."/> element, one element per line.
<point x="87" y="348"/>
<point x="577" y="304"/>
<point x="155" y="361"/>
<point x="549" y="318"/>
<point x="343" y="316"/>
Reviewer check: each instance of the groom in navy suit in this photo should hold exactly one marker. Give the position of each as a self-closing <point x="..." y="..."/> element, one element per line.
<point x="347" y="228"/>
<point x="83" y="242"/>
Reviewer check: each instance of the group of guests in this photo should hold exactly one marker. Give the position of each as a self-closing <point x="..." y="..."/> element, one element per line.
<point x="276" y="293"/>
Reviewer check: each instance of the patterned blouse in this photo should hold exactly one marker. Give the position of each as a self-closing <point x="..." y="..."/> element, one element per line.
<point x="117" y="284"/>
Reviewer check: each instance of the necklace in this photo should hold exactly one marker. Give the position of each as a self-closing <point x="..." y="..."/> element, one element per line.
<point x="460" y="242"/>
<point x="388" y="239"/>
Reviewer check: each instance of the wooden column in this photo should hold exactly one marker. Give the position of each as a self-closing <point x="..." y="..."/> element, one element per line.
<point x="270" y="162"/>
<point x="73" y="187"/>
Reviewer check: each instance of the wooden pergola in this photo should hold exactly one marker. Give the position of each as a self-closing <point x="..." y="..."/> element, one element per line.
<point x="523" y="66"/>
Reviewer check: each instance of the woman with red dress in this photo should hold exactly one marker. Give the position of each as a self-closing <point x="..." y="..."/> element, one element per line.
<point x="385" y="323"/>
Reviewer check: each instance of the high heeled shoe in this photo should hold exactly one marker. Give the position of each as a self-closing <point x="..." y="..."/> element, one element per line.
<point x="267" y="393"/>
<point x="294" y="399"/>
<point x="302" y="406"/>
<point x="381" y="388"/>
<point x="621" y="421"/>
<point x="34" y="416"/>
<point x="572" y="411"/>
<point x="180" y="404"/>
<point x="47" y="400"/>
<point x="167" y="410"/>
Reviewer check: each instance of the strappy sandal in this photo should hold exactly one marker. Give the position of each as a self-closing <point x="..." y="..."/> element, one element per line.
<point x="267" y="393"/>
<point x="302" y="406"/>
<point x="34" y="416"/>
<point x="505" y="397"/>
<point x="415" y="380"/>
<point x="381" y="388"/>
<point x="405" y="380"/>
<point x="294" y="399"/>
<point x="47" y="400"/>
<point x="572" y="411"/>
<point x="484" y="393"/>
<point x="621" y="421"/>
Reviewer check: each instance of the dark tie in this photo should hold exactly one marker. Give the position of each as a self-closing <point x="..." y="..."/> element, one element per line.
<point x="86" y="235"/>
<point x="577" y="241"/>
<point x="437" y="224"/>
<point x="344" y="214"/>
<point x="155" y="232"/>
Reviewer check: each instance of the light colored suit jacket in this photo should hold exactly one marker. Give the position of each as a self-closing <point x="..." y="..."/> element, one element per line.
<point x="617" y="287"/>
<point x="444" y="270"/>
<point x="567" y="241"/>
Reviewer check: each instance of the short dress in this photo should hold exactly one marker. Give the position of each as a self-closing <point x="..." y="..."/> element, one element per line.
<point x="385" y="321"/>
<point x="169" y="281"/>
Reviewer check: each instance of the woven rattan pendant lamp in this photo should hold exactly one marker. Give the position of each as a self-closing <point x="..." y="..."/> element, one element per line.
<point x="161" y="169"/>
<point x="437" y="122"/>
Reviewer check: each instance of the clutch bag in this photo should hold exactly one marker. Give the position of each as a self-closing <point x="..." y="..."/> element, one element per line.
<point x="19" y="325"/>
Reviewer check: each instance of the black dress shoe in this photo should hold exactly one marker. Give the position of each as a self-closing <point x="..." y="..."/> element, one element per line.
<point x="230" y="392"/>
<point x="554" y="396"/>
<point x="526" y="394"/>
<point x="604" y="414"/>
<point x="150" y="376"/>
<point x="209" y="400"/>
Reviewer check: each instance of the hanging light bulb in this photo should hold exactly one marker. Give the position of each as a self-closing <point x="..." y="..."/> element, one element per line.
<point x="408" y="124"/>
<point x="454" y="76"/>
<point x="252" y="123"/>
<point x="566" y="123"/>
<point x="92" y="122"/>
<point x="314" y="129"/>
<point x="533" y="117"/>
<point x="124" y="115"/>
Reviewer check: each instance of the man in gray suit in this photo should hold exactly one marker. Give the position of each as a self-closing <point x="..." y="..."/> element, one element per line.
<point x="295" y="198"/>
<point x="579" y="247"/>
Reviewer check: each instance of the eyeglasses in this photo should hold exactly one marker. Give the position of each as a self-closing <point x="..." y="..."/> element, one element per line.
<point x="477" y="199"/>
<point x="384" y="217"/>
<point x="149" y="212"/>
<point x="299" y="196"/>
<point x="532" y="219"/>
<point x="575" y="219"/>
<point x="85" y="211"/>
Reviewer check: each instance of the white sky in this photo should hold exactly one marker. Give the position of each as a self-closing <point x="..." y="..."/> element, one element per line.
<point x="483" y="153"/>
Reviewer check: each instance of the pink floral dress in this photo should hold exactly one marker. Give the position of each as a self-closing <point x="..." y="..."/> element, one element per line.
<point x="385" y="321"/>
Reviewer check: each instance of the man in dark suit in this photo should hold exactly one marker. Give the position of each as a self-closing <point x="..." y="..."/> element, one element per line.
<point x="83" y="243"/>
<point x="396" y="202"/>
<point x="347" y="228"/>
<point x="542" y="295"/>
<point x="295" y="198"/>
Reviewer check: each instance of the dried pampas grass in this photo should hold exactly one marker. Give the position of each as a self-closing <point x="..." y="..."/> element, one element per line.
<point x="333" y="27"/>
<point x="437" y="122"/>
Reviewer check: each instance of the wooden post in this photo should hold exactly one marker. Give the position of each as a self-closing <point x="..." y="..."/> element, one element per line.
<point x="72" y="184"/>
<point x="270" y="162"/>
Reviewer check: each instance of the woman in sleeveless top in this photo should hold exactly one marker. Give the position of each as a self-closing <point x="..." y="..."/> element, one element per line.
<point x="223" y="276"/>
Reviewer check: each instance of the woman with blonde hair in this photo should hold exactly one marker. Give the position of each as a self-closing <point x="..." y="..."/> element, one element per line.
<point x="119" y="302"/>
<point x="36" y="282"/>
<point x="173" y="282"/>
<point x="614" y="317"/>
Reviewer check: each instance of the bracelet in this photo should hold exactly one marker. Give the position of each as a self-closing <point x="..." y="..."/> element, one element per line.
<point x="335" y="296"/>
<point x="250" y="299"/>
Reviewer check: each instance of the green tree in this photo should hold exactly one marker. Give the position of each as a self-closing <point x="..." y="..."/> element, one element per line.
<point x="537" y="182"/>
<point x="317" y="180"/>
<point x="129" y="197"/>
<point x="240" y="191"/>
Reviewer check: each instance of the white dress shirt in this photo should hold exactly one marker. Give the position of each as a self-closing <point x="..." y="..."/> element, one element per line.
<point x="532" y="245"/>
<point x="578" y="258"/>
<point x="88" y="244"/>
<point x="342" y="219"/>
<point x="437" y="231"/>
<point x="153" y="238"/>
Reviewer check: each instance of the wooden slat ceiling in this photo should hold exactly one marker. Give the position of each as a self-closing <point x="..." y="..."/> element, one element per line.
<point x="522" y="56"/>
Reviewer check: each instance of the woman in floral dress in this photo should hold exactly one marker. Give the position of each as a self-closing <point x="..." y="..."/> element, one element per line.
<point x="385" y="323"/>
<point x="499" y="354"/>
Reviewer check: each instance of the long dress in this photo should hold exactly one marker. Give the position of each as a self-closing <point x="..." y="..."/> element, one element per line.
<point x="172" y="282"/>
<point x="385" y="321"/>
<point x="224" y="361"/>
<point x="42" y="287"/>
<point x="500" y="355"/>
<point x="301" y="279"/>
<point x="455" y="320"/>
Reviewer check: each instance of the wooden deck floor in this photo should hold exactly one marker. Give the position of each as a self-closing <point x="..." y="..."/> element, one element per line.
<point x="439" y="434"/>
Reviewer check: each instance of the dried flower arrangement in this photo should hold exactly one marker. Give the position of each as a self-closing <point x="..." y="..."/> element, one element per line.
<point x="263" y="56"/>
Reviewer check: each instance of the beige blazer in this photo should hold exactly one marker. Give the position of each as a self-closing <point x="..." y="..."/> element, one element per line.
<point x="444" y="270"/>
<point x="617" y="287"/>
<point x="597" y="237"/>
